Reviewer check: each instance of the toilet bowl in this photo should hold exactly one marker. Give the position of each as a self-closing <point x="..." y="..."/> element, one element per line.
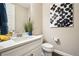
<point x="47" y="49"/>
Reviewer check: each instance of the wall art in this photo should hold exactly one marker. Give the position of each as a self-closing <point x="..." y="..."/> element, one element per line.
<point x="61" y="15"/>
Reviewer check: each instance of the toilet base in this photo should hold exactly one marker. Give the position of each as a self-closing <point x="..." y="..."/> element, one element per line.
<point x="47" y="53"/>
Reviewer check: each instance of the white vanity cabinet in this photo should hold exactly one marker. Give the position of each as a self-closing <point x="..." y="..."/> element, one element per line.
<point x="35" y="52"/>
<point x="32" y="48"/>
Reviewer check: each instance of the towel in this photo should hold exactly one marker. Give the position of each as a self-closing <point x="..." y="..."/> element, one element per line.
<point x="3" y="19"/>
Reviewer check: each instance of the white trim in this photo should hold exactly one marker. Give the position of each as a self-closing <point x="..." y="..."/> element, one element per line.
<point x="62" y="53"/>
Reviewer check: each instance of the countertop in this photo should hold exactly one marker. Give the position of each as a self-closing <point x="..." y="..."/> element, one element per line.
<point x="12" y="43"/>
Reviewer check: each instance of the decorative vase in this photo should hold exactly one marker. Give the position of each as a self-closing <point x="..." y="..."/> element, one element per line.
<point x="30" y="33"/>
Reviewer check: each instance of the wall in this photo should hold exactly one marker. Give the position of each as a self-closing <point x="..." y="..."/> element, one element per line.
<point x="21" y="15"/>
<point x="36" y="17"/>
<point x="69" y="37"/>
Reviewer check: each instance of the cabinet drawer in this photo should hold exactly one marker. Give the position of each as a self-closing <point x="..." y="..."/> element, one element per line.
<point x="22" y="49"/>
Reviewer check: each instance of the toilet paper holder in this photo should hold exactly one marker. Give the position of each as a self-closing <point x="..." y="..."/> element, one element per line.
<point x="57" y="40"/>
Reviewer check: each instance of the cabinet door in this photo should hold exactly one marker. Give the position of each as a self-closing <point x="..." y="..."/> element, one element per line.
<point x="35" y="52"/>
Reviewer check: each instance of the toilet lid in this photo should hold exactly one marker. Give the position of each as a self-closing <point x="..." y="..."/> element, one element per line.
<point x="47" y="45"/>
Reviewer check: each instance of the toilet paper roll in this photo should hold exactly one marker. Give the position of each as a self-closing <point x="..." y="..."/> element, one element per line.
<point x="56" y="39"/>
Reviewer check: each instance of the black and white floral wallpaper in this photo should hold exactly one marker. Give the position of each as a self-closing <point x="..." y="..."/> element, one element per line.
<point x="61" y="15"/>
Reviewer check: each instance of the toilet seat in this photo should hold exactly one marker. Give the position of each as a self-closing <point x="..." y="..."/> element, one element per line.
<point x="47" y="47"/>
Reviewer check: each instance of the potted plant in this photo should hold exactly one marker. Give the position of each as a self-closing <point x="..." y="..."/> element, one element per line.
<point x="29" y="27"/>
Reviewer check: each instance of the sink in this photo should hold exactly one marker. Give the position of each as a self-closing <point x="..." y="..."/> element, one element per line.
<point x="18" y="39"/>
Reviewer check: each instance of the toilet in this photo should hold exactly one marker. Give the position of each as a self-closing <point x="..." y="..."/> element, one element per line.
<point x="47" y="49"/>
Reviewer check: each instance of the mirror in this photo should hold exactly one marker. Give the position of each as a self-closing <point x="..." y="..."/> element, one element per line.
<point x="17" y="14"/>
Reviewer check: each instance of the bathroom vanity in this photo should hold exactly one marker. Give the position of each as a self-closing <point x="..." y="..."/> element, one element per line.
<point x="22" y="46"/>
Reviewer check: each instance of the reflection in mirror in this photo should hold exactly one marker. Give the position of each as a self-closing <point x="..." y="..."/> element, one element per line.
<point x="17" y="14"/>
<point x="10" y="9"/>
<point x="22" y="14"/>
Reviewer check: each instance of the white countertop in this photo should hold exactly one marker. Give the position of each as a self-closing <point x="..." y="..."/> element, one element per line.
<point x="17" y="41"/>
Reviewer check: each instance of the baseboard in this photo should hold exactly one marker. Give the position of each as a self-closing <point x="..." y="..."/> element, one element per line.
<point x="62" y="53"/>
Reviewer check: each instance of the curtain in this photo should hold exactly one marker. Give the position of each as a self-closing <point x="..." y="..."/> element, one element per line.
<point x="3" y="19"/>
